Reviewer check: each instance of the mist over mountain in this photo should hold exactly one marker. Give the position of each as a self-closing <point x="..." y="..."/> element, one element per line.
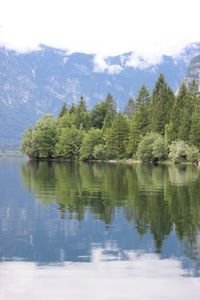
<point x="34" y="83"/>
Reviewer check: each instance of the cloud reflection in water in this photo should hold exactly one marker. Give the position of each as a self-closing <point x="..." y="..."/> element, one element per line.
<point x="139" y="276"/>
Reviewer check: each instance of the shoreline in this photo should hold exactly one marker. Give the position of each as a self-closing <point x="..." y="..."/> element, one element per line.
<point x="128" y="162"/>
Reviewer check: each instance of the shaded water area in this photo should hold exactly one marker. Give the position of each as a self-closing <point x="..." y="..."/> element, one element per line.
<point x="99" y="231"/>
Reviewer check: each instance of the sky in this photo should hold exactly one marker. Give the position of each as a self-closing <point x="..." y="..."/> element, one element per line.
<point x="149" y="28"/>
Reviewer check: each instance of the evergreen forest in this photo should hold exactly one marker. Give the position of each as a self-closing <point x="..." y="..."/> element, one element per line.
<point x="153" y="127"/>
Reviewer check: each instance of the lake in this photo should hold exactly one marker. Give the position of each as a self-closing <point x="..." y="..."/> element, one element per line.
<point x="99" y="231"/>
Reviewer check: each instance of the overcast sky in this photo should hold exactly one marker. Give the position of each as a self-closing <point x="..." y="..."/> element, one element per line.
<point x="105" y="27"/>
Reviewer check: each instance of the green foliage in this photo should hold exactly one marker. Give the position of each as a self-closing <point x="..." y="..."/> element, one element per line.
<point x="159" y="149"/>
<point x="133" y="138"/>
<point x="99" y="152"/>
<point x="152" y="147"/>
<point x="161" y="105"/>
<point x="140" y="120"/>
<point x="180" y="151"/>
<point x="193" y="154"/>
<point x="69" y="141"/>
<point x="29" y="144"/>
<point x="129" y="108"/>
<point x="67" y="120"/>
<point x="194" y="137"/>
<point x="81" y="115"/>
<point x="179" y="113"/>
<point x="92" y="138"/>
<point x="63" y="110"/>
<point x="45" y="135"/>
<point x="111" y="111"/>
<point x="98" y="114"/>
<point x="110" y="134"/>
<point x="117" y="137"/>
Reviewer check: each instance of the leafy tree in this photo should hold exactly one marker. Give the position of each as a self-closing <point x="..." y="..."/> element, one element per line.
<point x="117" y="137"/>
<point x="92" y="138"/>
<point x="46" y="136"/>
<point x="67" y="120"/>
<point x="100" y="152"/>
<point x="180" y="151"/>
<point x="29" y="145"/>
<point x="69" y="142"/>
<point x="152" y="147"/>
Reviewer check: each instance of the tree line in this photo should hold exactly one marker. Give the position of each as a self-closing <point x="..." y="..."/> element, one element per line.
<point x="154" y="126"/>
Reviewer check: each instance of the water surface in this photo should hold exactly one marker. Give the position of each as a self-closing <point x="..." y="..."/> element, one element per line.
<point x="99" y="231"/>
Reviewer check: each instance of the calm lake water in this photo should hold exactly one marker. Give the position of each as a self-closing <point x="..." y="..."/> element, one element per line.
<point x="99" y="231"/>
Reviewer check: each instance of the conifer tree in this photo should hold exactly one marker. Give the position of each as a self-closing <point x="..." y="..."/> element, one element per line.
<point x="98" y="114"/>
<point x="178" y="113"/>
<point x="129" y="108"/>
<point x="63" y="110"/>
<point x="111" y="111"/>
<point x="82" y="117"/>
<point x="140" y="121"/>
<point x="195" y="134"/>
<point x="117" y="137"/>
<point x="161" y="105"/>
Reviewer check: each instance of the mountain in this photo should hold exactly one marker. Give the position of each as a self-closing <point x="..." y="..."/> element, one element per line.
<point x="193" y="71"/>
<point x="34" y="83"/>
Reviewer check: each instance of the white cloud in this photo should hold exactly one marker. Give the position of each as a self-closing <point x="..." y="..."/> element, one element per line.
<point x="148" y="28"/>
<point x="100" y="65"/>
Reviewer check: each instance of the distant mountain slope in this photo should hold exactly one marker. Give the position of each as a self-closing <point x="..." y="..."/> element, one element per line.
<point x="193" y="71"/>
<point x="38" y="82"/>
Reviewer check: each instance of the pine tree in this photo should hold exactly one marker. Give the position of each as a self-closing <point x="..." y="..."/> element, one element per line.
<point x="117" y="137"/>
<point x="178" y="113"/>
<point x="129" y="108"/>
<point x="72" y="108"/>
<point x="98" y="114"/>
<point x="195" y="134"/>
<point x="63" y="110"/>
<point x="140" y="121"/>
<point x="161" y="105"/>
<point x="82" y="117"/>
<point x="111" y="111"/>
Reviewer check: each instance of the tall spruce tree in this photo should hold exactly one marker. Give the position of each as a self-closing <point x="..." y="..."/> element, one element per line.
<point x="161" y="105"/>
<point x="117" y="137"/>
<point x="195" y="125"/>
<point x="179" y="113"/>
<point x="82" y="117"/>
<point x="111" y="111"/>
<point x="63" y="110"/>
<point x="130" y="107"/>
<point x="140" y="120"/>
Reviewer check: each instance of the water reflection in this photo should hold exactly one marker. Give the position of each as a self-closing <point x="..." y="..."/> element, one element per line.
<point x="54" y="212"/>
<point x="139" y="276"/>
<point x="157" y="199"/>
